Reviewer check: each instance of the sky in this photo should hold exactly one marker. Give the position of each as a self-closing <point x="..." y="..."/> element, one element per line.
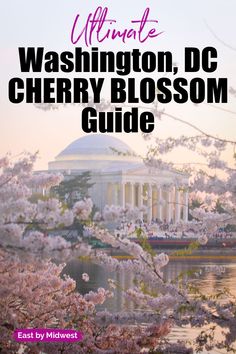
<point x="185" y="23"/>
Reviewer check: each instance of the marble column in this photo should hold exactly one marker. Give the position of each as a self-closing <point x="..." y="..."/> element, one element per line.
<point x="177" y="205"/>
<point x="159" y="205"/>
<point x="154" y="202"/>
<point x="116" y="195"/>
<point x="185" y="207"/>
<point x="169" y="207"/>
<point x="122" y="194"/>
<point x="149" y="204"/>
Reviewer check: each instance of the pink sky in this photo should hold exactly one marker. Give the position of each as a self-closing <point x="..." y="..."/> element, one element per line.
<point x="23" y="127"/>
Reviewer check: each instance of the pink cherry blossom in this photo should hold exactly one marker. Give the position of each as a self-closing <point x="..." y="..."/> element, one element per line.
<point x="85" y="277"/>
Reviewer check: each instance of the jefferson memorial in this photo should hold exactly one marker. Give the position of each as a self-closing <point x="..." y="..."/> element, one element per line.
<point x="121" y="178"/>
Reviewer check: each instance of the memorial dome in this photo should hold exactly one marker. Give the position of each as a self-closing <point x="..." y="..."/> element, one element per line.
<point x="95" y="152"/>
<point x="97" y="144"/>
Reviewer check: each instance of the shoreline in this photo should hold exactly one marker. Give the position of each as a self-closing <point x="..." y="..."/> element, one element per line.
<point x="203" y="255"/>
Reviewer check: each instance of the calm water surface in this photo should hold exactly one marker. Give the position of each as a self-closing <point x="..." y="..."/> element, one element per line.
<point x="208" y="282"/>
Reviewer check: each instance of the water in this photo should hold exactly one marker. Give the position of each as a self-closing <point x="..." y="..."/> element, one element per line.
<point x="208" y="282"/>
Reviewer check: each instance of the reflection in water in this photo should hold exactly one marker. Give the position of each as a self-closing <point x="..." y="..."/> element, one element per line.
<point x="208" y="282"/>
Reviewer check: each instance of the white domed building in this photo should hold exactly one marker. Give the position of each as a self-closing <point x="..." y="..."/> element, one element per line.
<point x="121" y="178"/>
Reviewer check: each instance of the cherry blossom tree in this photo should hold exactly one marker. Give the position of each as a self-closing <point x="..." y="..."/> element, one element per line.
<point x="33" y="293"/>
